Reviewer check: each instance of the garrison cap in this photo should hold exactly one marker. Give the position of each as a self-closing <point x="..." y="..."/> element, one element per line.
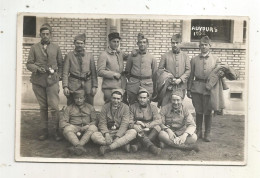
<point x="46" y="26"/>
<point x="205" y="40"/>
<point x="79" y="93"/>
<point x="178" y="92"/>
<point x="81" y="37"/>
<point x="143" y="90"/>
<point x="121" y="91"/>
<point x="176" y="38"/>
<point x="113" y="35"/>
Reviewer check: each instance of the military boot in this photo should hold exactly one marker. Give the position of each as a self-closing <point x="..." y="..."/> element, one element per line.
<point x="136" y="147"/>
<point x="55" y="118"/>
<point x="104" y="149"/>
<point x="208" y="122"/>
<point x="44" y="119"/>
<point x="199" y="121"/>
<point x="153" y="134"/>
<point x="155" y="150"/>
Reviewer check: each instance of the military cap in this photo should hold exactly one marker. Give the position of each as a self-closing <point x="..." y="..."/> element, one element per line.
<point x="81" y="37"/>
<point x="143" y="90"/>
<point x="121" y="91"/>
<point x="176" y="38"/>
<point x="178" y="92"/>
<point x="140" y="36"/>
<point x="46" y="26"/>
<point x="79" y="93"/>
<point x="205" y="40"/>
<point x="113" y="35"/>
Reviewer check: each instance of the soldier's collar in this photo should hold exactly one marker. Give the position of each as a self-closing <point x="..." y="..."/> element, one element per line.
<point x="204" y="55"/>
<point x="112" y="51"/>
<point x="142" y="52"/>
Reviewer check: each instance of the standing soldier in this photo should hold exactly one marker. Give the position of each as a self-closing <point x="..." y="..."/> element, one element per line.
<point x="113" y="125"/>
<point x="178" y="63"/>
<point x="79" y="72"/>
<point x="201" y="67"/>
<point x="146" y="120"/>
<point x="110" y="66"/>
<point x="45" y="63"/>
<point x="140" y="69"/>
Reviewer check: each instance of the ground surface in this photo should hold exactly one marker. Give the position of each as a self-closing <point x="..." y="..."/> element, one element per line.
<point x="227" y="143"/>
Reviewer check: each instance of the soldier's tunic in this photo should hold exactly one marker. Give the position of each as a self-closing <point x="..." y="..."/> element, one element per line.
<point x="179" y="65"/>
<point x="79" y="66"/>
<point x="110" y="62"/>
<point x="140" y="69"/>
<point x="46" y="85"/>
<point x="74" y="119"/>
<point x="201" y="67"/>
<point x="118" y="118"/>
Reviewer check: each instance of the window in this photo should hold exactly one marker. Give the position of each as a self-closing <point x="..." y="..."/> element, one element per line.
<point x="29" y="26"/>
<point x="236" y="95"/>
<point x="216" y="30"/>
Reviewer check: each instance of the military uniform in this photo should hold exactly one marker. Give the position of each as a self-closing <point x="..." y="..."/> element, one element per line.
<point x="46" y="84"/>
<point x="111" y="62"/>
<point x="115" y="122"/>
<point x="201" y="67"/>
<point x="178" y="63"/>
<point x="79" y="72"/>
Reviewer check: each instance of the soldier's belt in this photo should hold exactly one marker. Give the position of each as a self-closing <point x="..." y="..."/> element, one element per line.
<point x="201" y="80"/>
<point x="80" y="78"/>
<point x="140" y="77"/>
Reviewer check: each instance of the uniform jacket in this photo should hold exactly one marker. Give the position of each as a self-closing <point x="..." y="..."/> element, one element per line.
<point x="80" y="116"/>
<point x="201" y="67"/>
<point x="111" y="62"/>
<point x="38" y="58"/>
<point x="149" y="115"/>
<point x="143" y="65"/>
<point x="121" y="118"/>
<point x="178" y="64"/>
<point x="215" y="85"/>
<point x="72" y="66"/>
<point x="178" y="122"/>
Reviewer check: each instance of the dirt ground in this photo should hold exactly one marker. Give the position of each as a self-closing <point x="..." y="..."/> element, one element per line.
<point x="228" y="134"/>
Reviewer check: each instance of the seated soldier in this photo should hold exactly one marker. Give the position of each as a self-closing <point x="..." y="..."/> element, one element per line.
<point x="178" y="128"/>
<point x="145" y="119"/>
<point x="113" y="125"/>
<point x="78" y="123"/>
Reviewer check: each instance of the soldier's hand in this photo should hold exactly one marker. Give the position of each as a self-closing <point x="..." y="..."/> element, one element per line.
<point x="134" y="52"/>
<point x="177" y="140"/>
<point x="94" y="91"/>
<point x="138" y="128"/>
<point x="41" y="70"/>
<point x="189" y="94"/>
<point x="172" y="135"/>
<point x="117" y="76"/>
<point x="178" y="81"/>
<point x="140" y="123"/>
<point x="183" y="138"/>
<point x="66" y="91"/>
<point x="108" y="139"/>
<point x="83" y="129"/>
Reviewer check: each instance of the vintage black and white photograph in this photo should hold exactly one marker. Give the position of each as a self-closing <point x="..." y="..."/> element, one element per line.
<point x="138" y="89"/>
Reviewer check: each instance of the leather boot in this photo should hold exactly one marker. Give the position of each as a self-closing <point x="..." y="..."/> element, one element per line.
<point x="55" y="118"/>
<point x="153" y="134"/>
<point x="104" y="149"/>
<point x="127" y="148"/>
<point x="208" y="122"/>
<point x="155" y="150"/>
<point x="199" y="121"/>
<point x="44" y="119"/>
<point x="136" y="147"/>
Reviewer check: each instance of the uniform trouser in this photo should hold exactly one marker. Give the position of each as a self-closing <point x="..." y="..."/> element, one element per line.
<point x="107" y="94"/>
<point x="201" y="103"/>
<point x="129" y="135"/>
<point x="48" y="97"/>
<point x="164" y="137"/>
<point x="132" y="97"/>
<point x="70" y="132"/>
<point x="167" y="97"/>
<point x="89" y="99"/>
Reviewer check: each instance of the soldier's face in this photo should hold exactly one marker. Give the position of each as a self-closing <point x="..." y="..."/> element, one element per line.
<point x="79" y="45"/>
<point x="143" y="99"/>
<point x="45" y="35"/>
<point x="142" y="44"/>
<point x="79" y="100"/>
<point x="175" y="45"/>
<point x="116" y="99"/>
<point x="204" y="47"/>
<point x="176" y="101"/>
<point x="114" y="44"/>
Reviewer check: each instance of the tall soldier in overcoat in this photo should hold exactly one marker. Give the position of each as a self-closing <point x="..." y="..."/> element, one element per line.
<point x="79" y="72"/>
<point x="45" y="62"/>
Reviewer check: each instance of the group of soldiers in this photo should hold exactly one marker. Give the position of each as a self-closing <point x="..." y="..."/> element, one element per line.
<point x="127" y="119"/>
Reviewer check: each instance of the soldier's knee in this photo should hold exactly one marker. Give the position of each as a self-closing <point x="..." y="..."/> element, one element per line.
<point x="191" y="139"/>
<point x="93" y="128"/>
<point x="162" y="134"/>
<point x="68" y="129"/>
